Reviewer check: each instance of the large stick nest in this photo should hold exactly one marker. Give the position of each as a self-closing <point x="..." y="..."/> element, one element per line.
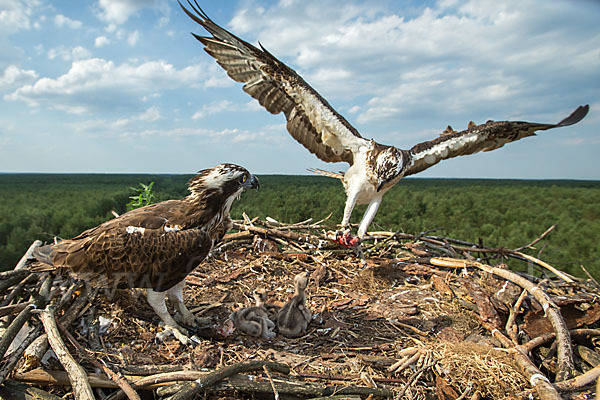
<point x="418" y="317"/>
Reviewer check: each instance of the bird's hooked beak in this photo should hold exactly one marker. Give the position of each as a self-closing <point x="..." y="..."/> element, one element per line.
<point x="381" y="184"/>
<point x="252" y="183"/>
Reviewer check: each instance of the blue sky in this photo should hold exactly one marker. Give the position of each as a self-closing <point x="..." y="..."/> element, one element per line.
<point x="122" y="86"/>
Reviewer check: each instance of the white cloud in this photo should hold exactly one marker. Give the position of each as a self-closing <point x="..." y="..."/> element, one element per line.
<point x="163" y="21"/>
<point x="133" y="38"/>
<point x="110" y="28"/>
<point x="37" y="25"/>
<point x="234" y="135"/>
<point x="103" y="127"/>
<point x="13" y="77"/>
<point x="454" y="57"/>
<point x="95" y="83"/>
<point x="101" y="41"/>
<point x="150" y="115"/>
<point x="225" y="106"/>
<point x="213" y="108"/>
<point x="69" y="54"/>
<point x="119" y="11"/>
<point x="15" y="16"/>
<point x="61" y="21"/>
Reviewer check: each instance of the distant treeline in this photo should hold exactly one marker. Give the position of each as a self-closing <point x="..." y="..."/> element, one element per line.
<point x="507" y="213"/>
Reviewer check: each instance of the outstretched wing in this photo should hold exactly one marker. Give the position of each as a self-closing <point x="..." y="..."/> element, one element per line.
<point x="486" y="137"/>
<point x="278" y="88"/>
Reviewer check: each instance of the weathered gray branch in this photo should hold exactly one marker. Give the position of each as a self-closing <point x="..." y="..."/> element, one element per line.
<point x="77" y="375"/>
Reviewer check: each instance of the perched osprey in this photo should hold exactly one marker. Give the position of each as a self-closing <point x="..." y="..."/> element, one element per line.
<point x="374" y="168"/>
<point x="156" y="246"/>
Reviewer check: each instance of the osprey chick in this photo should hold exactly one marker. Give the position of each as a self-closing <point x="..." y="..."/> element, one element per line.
<point x="156" y="246"/>
<point x="374" y="168"/>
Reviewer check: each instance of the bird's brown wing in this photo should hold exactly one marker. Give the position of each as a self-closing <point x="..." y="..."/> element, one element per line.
<point x="278" y="88"/>
<point x="486" y="137"/>
<point x="150" y="247"/>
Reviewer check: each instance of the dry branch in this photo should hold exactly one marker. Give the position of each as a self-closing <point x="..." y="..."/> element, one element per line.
<point x="119" y="380"/>
<point x="77" y="375"/>
<point x="16" y="355"/>
<point x="538" y="381"/>
<point x="542" y="236"/>
<point x="549" y="267"/>
<point x="14" y="328"/>
<point x="18" y="391"/>
<point x="566" y="365"/>
<point x="190" y="390"/>
<point x="21" y="264"/>
<point x="10" y="278"/>
<point x="36" y="350"/>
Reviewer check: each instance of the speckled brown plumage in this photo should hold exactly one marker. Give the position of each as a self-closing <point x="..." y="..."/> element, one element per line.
<point x="154" y="246"/>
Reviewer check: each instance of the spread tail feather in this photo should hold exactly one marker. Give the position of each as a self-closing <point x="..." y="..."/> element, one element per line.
<point x="336" y="175"/>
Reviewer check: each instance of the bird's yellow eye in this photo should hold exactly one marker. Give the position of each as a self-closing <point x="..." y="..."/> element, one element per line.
<point x="244" y="177"/>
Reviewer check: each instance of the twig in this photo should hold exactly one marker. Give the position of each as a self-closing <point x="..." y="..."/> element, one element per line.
<point x="590" y="276"/>
<point x="271" y="382"/>
<point x="409" y="327"/>
<point x="16" y="355"/>
<point x="542" y="236"/>
<point x="415" y="377"/>
<point x="513" y="312"/>
<point x="402" y="364"/>
<point x="21" y="264"/>
<point x="14" y="328"/>
<point x="37" y="349"/>
<point x="10" y="278"/>
<point x="14" y="390"/>
<point x="190" y="390"/>
<point x="536" y="379"/>
<point x="119" y="380"/>
<point x="549" y="267"/>
<point x="579" y="381"/>
<point x="293" y="236"/>
<point x="13" y="309"/>
<point x="566" y="366"/>
<point x="17" y="290"/>
<point x="77" y="375"/>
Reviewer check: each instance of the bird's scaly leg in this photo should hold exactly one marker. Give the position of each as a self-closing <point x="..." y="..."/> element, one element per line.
<point x="187" y="318"/>
<point x="369" y="216"/>
<point x="157" y="301"/>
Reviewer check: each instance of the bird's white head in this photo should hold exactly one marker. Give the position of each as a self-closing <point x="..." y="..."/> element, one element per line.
<point x="390" y="164"/>
<point x="224" y="181"/>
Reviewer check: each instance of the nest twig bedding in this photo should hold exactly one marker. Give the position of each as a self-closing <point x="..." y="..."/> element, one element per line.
<point x="420" y="317"/>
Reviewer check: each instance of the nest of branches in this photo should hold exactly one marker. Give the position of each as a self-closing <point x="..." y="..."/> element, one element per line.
<point x="413" y="316"/>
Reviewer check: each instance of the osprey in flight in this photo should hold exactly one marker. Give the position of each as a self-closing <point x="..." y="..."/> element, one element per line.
<point x="374" y="167"/>
<point x="156" y="246"/>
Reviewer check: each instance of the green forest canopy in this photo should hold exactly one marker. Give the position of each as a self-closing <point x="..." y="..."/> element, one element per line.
<point x="507" y="213"/>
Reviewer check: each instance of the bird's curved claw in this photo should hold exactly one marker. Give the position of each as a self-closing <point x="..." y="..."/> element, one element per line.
<point x="192" y="321"/>
<point x="180" y="334"/>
